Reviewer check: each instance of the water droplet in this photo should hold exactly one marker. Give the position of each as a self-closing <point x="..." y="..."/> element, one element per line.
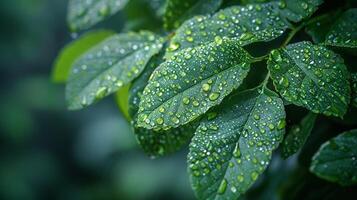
<point x="213" y="96"/>
<point x="222" y="187"/>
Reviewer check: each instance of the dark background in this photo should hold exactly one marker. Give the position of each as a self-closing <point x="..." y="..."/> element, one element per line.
<point x="47" y="152"/>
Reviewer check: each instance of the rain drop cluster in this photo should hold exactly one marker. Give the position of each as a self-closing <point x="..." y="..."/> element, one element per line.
<point x="231" y="149"/>
<point x="113" y="63"/>
<point x="311" y="76"/>
<point x="192" y="81"/>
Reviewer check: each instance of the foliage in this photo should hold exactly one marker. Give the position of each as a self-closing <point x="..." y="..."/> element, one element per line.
<point x="194" y="83"/>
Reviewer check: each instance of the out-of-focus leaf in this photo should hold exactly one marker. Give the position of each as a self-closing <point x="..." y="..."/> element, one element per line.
<point x="122" y="99"/>
<point x="192" y="81"/>
<point x="109" y="66"/>
<point x="177" y="11"/>
<point x="336" y="160"/>
<point x="298" y="135"/>
<point x="297" y="10"/>
<point x="73" y="51"/>
<point x="320" y="28"/>
<point x="311" y="76"/>
<point x="344" y="32"/>
<point x="245" y="24"/>
<point x="234" y="145"/>
<point x="83" y="14"/>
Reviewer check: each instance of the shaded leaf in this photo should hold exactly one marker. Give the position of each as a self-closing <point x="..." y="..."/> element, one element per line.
<point x="192" y="81"/>
<point x="83" y="14"/>
<point x="108" y="66"/>
<point x="344" y="32"/>
<point x="311" y="76"/>
<point x="177" y="11"/>
<point x="298" y="135"/>
<point x="354" y="89"/>
<point x="297" y="10"/>
<point x="230" y="151"/>
<point x="246" y="24"/>
<point x="318" y="30"/>
<point x="336" y="160"/>
<point x="72" y="51"/>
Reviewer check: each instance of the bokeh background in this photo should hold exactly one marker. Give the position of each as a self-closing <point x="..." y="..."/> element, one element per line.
<point x="47" y="152"/>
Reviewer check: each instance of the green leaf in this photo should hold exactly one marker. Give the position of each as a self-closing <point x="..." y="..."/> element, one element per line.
<point x="163" y="142"/>
<point x="177" y="11"/>
<point x="297" y="10"/>
<point x="193" y="80"/>
<point x="83" y="14"/>
<point x="122" y="99"/>
<point x="246" y="24"/>
<point x="354" y="89"/>
<point x="156" y="143"/>
<point x="318" y="30"/>
<point x="72" y="51"/>
<point x="336" y="160"/>
<point x="344" y="32"/>
<point x="311" y="76"/>
<point x="298" y="135"/>
<point x="230" y="151"/>
<point x="108" y="66"/>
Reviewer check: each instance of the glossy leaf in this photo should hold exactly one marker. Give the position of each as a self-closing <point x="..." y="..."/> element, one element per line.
<point x="246" y="24"/>
<point x="73" y="51"/>
<point x="234" y="145"/>
<point x="192" y="81"/>
<point x="108" y="66"/>
<point x="297" y="10"/>
<point x="311" y="76"/>
<point x="83" y="14"/>
<point x="177" y="11"/>
<point x="336" y="160"/>
<point x="344" y="32"/>
<point x="354" y="89"/>
<point x="298" y="135"/>
<point x="156" y="143"/>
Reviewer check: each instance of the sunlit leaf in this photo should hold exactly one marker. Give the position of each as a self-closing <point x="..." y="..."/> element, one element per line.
<point x="83" y="14"/>
<point x="234" y="145"/>
<point x="108" y="66"/>
<point x="192" y="81"/>
<point x="298" y="135"/>
<point x="122" y="99"/>
<point x="177" y="11"/>
<point x="344" y="31"/>
<point x="73" y="51"/>
<point x="246" y="24"/>
<point x="336" y="160"/>
<point x="311" y="76"/>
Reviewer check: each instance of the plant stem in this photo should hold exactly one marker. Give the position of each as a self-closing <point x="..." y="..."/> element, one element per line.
<point x="261" y="58"/>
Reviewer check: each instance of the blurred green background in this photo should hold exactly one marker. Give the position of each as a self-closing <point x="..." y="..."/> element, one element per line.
<point x="47" y="152"/>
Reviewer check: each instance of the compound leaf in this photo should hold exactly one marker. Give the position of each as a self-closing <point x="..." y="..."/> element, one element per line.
<point x="108" y="66"/>
<point x="83" y="14"/>
<point x="354" y="89"/>
<point x="246" y="24"/>
<point x="336" y="160"/>
<point x="193" y="80"/>
<point x="72" y="51"/>
<point x="311" y="76"/>
<point x="296" y="10"/>
<point x="234" y="145"/>
<point x="344" y="32"/>
<point x="177" y="11"/>
<point x="298" y="135"/>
